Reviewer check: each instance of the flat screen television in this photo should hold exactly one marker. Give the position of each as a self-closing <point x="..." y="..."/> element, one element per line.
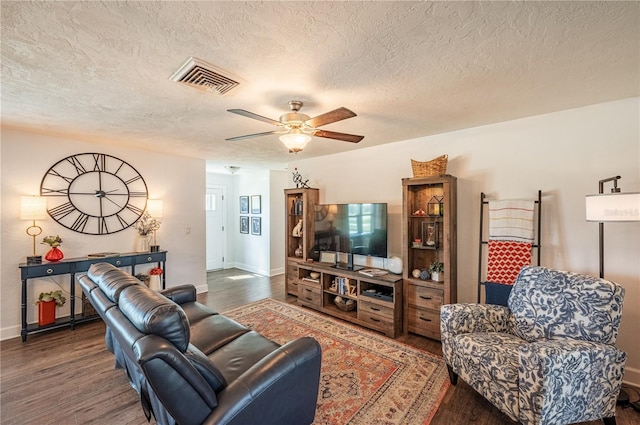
<point x="351" y="228"/>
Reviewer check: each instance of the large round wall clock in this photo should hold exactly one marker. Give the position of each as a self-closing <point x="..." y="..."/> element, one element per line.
<point x="94" y="193"/>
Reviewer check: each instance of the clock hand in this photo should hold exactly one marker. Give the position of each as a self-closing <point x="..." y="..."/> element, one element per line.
<point x="114" y="203"/>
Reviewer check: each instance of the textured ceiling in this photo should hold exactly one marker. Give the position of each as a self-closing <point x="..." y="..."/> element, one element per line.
<point x="100" y="70"/>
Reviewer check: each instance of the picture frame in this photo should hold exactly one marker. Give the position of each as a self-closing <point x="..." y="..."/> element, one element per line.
<point x="244" y="205"/>
<point x="244" y="224"/>
<point x="328" y="257"/>
<point x="256" y="225"/>
<point x="256" y="207"/>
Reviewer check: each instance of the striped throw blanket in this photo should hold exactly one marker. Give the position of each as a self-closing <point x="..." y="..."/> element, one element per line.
<point x="511" y="220"/>
<point x="510" y="239"/>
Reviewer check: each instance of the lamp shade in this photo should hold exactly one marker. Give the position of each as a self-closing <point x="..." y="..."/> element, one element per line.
<point x="33" y="208"/>
<point x="154" y="207"/>
<point x="295" y="141"/>
<point x="613" y="207"/>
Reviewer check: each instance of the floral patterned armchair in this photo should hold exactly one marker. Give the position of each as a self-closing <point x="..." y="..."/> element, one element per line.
<point x="548" y="358"/>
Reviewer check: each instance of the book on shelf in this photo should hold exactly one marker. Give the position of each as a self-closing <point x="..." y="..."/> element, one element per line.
<point x="103" y="254"/>
<point x="373" y="272"/>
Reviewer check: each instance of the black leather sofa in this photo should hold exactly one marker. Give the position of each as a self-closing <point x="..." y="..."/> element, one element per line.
<point x="191" y="365"/>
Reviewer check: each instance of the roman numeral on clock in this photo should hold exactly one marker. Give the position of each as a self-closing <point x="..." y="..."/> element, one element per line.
<point x="62" y="211"/>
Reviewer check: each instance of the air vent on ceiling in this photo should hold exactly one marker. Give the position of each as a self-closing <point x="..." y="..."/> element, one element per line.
<point x="204" y="76"/>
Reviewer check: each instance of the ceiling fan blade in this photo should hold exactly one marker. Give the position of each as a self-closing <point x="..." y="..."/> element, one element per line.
<point x="329" y="117"/>
<point x="254" y="116"/>
<point x="248" y="136"/>
<point x="338" y="136"/>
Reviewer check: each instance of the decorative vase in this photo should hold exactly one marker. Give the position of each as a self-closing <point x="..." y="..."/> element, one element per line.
<point x="54" y="255"/>
<point x="395" y="265"/>
<point x="143" y="243"/>
<point x="298" y="251"/>
<point x="46" y="312"/>
<point x="154" y="282"/>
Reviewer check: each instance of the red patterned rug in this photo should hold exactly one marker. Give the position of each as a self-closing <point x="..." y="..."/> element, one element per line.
<point x="366" y="378"/>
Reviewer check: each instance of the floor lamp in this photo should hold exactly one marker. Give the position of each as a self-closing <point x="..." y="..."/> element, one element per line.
<point x="614" y="206"/>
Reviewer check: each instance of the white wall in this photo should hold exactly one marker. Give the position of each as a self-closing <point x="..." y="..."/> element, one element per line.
<point x="178" y="181"/>
<point x="564" y="154"/>
<point x="279" y="180"/>
<point x="263" y="254"/>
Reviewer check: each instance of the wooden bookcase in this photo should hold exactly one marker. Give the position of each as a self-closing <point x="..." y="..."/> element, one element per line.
<point x="427" y="238"/>
<point x="299" y="207"/>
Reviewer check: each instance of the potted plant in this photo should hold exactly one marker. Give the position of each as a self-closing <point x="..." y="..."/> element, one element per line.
<point x="47" y="302"/>
<point x="437" y="271"/>
<point x="154" y="278"/>
<point x="54" y="253"/>
<point x="146" y="227"/>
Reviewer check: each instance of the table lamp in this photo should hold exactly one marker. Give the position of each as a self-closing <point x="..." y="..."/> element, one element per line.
<point x="33" y="208"/>
<point x="154" y="208"/>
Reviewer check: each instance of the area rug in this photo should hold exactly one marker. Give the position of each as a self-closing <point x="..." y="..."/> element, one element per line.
<point x="366" y="378"/>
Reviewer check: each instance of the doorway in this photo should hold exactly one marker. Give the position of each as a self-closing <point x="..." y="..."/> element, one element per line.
<point x="216" y="235"/>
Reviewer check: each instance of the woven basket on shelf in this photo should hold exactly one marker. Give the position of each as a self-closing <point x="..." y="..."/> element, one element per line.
<point x="342" y="305"/>
<point x="435" y="167"/>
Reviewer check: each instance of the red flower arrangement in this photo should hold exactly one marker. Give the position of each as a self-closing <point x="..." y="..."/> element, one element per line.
<point x="155" y="271"/>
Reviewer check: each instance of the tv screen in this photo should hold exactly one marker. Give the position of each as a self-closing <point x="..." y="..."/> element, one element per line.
<point x="353" y="228"/>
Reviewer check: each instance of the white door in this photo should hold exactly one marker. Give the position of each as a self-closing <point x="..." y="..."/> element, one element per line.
<point x="215" y="229"/>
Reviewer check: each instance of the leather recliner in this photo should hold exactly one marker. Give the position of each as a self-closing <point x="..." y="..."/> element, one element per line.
<point x="191" y="365"/>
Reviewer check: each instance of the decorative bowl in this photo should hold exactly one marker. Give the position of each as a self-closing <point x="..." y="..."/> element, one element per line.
<point x="314" y="275"/>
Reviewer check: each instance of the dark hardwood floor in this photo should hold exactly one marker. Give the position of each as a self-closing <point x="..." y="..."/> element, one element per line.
<point x="67" y="377"/>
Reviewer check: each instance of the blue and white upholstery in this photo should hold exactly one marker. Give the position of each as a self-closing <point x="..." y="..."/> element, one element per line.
<point x="549" y="357"/>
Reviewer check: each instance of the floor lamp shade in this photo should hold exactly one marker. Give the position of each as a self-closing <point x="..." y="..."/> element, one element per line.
<point x="613" y="207"/>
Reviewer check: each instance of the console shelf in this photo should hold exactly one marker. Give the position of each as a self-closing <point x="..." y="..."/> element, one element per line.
<point x="382" y="313"/>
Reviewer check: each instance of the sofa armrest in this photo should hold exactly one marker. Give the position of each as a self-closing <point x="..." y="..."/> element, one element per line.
<point x="282" y="388"/>
<point x="458" y="319"/>
<point x="181" y="294"/>
<point x="169" y="373"/>
<point x="568" y="381"/>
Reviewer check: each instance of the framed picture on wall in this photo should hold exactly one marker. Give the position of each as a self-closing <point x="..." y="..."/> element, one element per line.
<point x="244" y="205"/>
<point x="244" y="224"/>
<point x="256" y="208"/>
<point x="256" y="225"/>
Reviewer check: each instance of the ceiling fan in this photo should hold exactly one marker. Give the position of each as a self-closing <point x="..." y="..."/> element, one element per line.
<point x="297" y="129"/>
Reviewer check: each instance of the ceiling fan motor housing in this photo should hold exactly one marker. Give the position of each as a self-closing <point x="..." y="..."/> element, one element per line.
<point x="293" y="119"/>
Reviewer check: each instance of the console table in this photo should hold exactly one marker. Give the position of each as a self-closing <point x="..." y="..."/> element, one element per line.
<point x="72" y="266"/>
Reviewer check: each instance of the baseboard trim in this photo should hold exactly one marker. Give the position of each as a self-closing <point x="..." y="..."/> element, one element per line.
<point x="10" y="332"/>
<point x="631" y="376"/>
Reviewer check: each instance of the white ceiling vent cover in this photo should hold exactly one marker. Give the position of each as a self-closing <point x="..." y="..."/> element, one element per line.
<point x="204" y="76"/>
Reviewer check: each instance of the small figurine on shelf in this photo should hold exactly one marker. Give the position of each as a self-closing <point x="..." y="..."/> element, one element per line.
<point x="297" y="230"/>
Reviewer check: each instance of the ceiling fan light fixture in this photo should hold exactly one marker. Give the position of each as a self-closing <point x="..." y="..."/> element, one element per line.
<point x="295" y="140"/>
